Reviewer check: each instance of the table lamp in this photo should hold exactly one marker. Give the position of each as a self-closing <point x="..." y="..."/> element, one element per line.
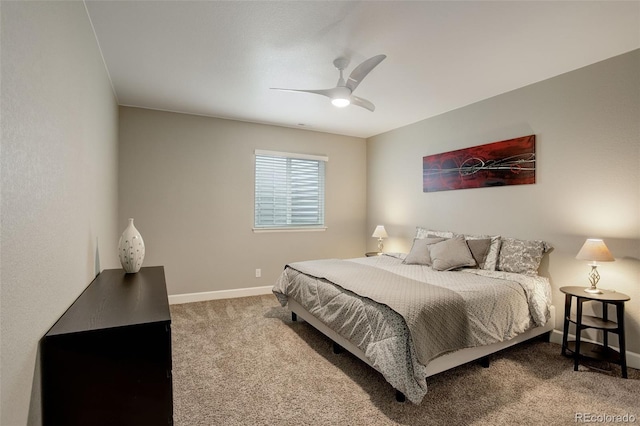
<point x="380" y="233"/>
<point x="594" y="250"/>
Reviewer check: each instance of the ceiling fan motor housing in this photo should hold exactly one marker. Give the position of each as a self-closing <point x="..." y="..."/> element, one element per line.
<point x="341" y="63"/>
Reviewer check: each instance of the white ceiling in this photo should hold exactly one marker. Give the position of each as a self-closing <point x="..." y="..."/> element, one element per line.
<point x="219" y="58"/>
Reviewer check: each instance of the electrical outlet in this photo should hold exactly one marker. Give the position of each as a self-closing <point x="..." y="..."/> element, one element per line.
<point x="258" y="273"/>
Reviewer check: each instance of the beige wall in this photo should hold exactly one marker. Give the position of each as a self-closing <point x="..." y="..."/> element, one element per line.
<point x="59" y="182"/>
<point x="587" y="127"/>
<point x="188" y="181"/>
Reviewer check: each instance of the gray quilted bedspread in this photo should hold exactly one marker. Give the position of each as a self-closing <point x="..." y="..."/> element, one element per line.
<point x="435" y="316"/>
<point x="389" y="310"/>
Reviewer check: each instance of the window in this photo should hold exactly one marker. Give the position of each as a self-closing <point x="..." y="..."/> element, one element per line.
<point x="289" y="192"/>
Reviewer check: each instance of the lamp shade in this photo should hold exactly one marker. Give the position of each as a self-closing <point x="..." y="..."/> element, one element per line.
<point x="595" y="250"/>
<point x="380" y="232"/>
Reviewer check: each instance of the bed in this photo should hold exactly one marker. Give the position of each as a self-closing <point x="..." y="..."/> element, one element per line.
<point x="410" y="316"/>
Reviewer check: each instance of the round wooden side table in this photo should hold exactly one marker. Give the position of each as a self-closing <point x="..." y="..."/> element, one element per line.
<point x="582" y="322"/>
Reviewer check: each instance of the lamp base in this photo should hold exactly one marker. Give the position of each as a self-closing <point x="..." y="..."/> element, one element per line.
<point x="594" y="277"/>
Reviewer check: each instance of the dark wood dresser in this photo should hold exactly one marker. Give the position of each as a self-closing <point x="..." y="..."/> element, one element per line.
<point x="107" y="360"/>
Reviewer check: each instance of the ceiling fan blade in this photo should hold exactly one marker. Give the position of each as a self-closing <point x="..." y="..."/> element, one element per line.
<point x="362" y="103"/>
<point x="361" y="71"/>
<point x="323" y="92"/>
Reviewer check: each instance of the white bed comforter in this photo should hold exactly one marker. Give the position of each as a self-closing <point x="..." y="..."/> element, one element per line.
<point x="499" y="306"/>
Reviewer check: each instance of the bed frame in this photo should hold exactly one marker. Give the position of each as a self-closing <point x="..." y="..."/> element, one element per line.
<point x="438" y="365"/>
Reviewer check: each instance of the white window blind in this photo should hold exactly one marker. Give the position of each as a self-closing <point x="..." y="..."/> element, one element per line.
<point x="289" y="190"/>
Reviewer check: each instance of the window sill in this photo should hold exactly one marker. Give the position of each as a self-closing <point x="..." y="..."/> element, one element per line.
<point x="291" y="229"/>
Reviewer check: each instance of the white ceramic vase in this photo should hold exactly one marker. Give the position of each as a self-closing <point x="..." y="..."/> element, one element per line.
<point x="131" y="249"/>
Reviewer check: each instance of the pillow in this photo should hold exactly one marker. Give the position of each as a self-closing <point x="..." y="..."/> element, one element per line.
<point x="521" y="256"/>
<point x="494" y="250"/>
<point x="451" y="254"/>
<point x="419" y="254"/>
<point x="440" y="234"/>
<point x="479" y="249"/>
<point x="421" y="232"/>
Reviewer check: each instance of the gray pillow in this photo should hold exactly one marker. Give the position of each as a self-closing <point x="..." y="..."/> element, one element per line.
<point x="521" y="256"/>
<point x="419" y="254"/>
<point x="491" y="260"/>
<point x="451" y="254"/>
<point x="479" y="250"/>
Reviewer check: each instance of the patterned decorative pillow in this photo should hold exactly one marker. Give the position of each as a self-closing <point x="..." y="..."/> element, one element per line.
<point x="451" y="254"/>
<point x="521" y="256"/>
<point x="491" y="260"/>
<point x="419" y="254"/>
<point x="421" y="232"/>
<point x="440" y="234"/>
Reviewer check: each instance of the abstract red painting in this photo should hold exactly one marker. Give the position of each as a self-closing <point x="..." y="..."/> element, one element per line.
<point x="509" y="162"/>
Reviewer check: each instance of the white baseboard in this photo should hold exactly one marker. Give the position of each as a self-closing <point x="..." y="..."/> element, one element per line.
<point x="633" y="359"/>
<point x="176" y="299"/>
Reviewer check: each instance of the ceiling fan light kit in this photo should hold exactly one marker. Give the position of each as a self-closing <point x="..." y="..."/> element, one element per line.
<point x="342" y="95"/>
<point x="340" y="102"/>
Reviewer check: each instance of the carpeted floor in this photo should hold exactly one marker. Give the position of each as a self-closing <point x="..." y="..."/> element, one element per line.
<point x="243" y="362"/>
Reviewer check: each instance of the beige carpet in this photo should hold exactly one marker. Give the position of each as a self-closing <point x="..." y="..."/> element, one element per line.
<point x="243" y="362"/>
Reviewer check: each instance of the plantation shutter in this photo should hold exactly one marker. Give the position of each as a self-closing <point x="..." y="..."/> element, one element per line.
<point x="289" y="190"/>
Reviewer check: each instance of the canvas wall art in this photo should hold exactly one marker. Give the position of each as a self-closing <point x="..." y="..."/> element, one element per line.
<point x="509" y="162"/>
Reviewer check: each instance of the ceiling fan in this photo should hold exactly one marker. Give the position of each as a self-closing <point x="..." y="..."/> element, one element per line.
<point x="342" y="94"/>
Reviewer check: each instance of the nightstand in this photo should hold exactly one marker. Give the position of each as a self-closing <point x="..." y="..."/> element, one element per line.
<point x="373" y="253"/>
<point x="583" y="322"/>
